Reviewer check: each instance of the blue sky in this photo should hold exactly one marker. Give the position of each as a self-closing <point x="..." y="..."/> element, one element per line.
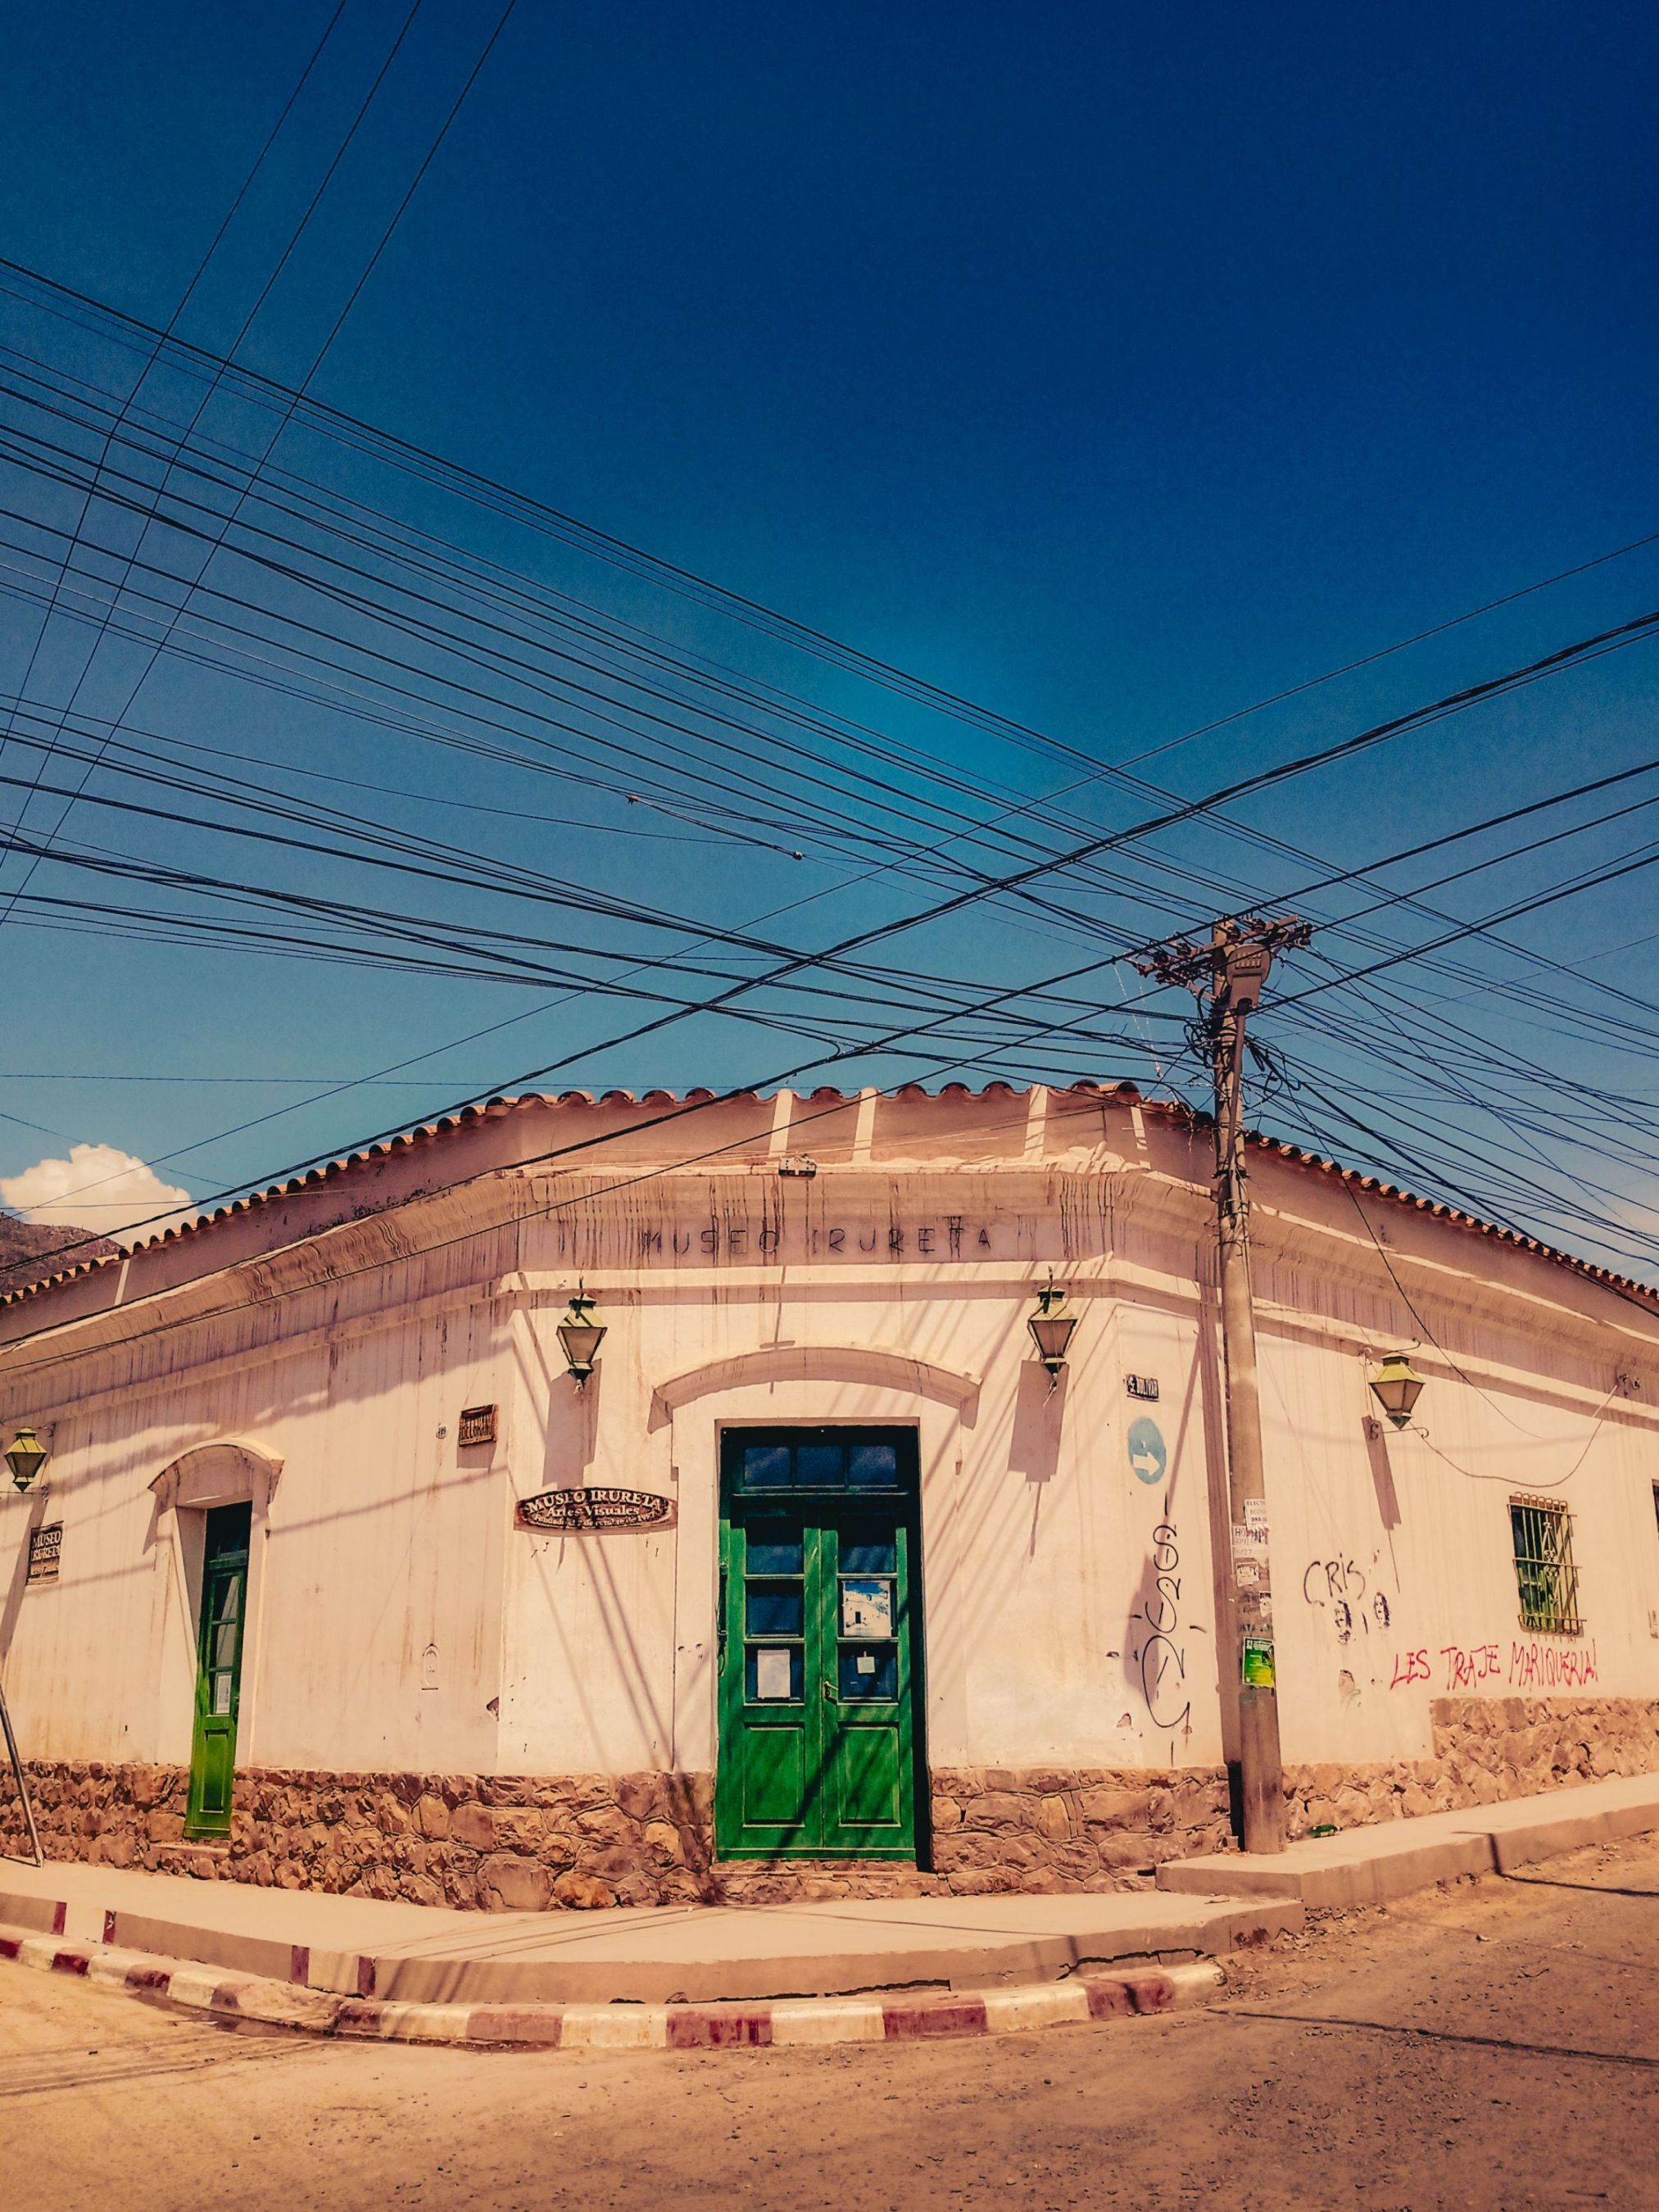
<point x="1114" y="368"/>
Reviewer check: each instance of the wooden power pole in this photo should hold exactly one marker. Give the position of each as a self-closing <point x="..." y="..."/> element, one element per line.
<point x="1227" y="975"/>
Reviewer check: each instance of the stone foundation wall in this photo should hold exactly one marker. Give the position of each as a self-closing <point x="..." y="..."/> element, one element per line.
<point x="1486" y="1749"/>
<point x="527" y="1842"/>
<point x="1062" y="1829"/>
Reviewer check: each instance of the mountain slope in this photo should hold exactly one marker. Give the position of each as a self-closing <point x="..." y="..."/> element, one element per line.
<point x="27" y="1249"/>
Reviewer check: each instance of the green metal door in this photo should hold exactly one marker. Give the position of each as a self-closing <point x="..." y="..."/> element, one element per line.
<point x="819" y="1741"/>
<point x="218" y="1670"/>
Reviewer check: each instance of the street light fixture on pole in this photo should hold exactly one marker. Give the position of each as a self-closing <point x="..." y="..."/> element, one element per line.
<point x="1227" y="976"/>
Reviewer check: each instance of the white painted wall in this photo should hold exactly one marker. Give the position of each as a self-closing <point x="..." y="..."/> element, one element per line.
<point x="399" y="1620"/>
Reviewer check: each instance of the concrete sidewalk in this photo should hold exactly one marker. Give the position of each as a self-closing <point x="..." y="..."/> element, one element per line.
<point x="1368" y="1866"/>
<point x="360" y="1946"/>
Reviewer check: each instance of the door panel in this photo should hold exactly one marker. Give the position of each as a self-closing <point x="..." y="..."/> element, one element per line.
<point x="869" y="1779"/>
<point x="219" y="1670"/>
<point x="869" y="1769"/>
<point x="818" y="1745"/>
<point x="769" y="1563"/>
<point x="775" y="1779"/>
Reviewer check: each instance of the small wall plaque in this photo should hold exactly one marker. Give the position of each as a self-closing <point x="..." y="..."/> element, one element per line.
<point x="477" y="1426"/>
<point x="1141" y="1386"/>
<point x="45" y="1545"/>
<point x="582" y="1512"/>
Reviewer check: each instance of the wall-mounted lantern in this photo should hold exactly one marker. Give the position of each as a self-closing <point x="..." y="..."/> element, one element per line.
<point x="1051" y="1328"/>
<point x="26" y="1457"/>
<point x="581" y="1335"/>
<point x="1397" y="1389"/>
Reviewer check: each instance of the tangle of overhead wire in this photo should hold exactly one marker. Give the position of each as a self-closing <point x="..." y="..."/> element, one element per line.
<point x="1532" y="1481"/>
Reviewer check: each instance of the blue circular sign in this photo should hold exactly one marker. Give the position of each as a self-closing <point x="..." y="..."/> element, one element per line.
<point x="1148" y="1452"/>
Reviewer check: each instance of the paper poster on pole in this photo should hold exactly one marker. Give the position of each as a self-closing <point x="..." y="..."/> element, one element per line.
<point x="1259" y="1663"/>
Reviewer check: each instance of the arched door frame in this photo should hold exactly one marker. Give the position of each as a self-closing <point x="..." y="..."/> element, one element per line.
<point x="851" y="1384"/>
<point x="228" y="1471"/>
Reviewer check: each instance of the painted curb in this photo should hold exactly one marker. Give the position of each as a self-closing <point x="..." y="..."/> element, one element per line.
<point x="892" y="2016"/>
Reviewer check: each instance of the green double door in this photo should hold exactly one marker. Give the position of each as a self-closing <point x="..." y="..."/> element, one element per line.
<point x="820" y="1742"/>
<point x="218" y="1670"/>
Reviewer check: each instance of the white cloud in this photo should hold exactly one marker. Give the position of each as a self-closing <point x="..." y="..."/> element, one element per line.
<point x="98" y="1186"/>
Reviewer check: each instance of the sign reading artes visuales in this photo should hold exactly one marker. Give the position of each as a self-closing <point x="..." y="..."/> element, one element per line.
<point x="578" y="1512"/>
<point x="45" y="1548"/>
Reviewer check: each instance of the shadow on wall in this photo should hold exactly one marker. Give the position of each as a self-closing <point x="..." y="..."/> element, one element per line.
<point x="1377" y="1450"/>
<point x="570" y="1419"/>
<point x="1039" y="1419"/>
<point x="36" y="1508"/>
<point x="1168" y="1652"/>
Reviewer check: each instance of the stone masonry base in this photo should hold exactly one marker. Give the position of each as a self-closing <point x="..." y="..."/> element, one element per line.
<point x="519" y="1842"/>
<point x="527" y="1842"/>
<point x="1486" y="1749"/>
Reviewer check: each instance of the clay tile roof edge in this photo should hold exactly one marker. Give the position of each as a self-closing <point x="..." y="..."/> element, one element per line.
<point x="428" y="1132"/>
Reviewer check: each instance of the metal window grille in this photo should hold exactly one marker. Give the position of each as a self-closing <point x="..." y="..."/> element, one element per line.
<point x="1544" y="1569"/>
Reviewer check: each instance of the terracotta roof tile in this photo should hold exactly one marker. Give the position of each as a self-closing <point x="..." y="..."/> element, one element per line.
<point x="495" y="1109"/>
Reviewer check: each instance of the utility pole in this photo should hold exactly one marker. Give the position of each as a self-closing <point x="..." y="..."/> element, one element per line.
<point x="1227" y="976"/>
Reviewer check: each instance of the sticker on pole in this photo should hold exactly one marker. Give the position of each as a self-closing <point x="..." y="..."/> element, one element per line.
<point x="1259" y="1663"/>
<point x="1148" y="1452"/>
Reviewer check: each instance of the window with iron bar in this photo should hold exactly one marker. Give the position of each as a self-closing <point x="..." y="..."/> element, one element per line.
<point x="1544" y="1571"/>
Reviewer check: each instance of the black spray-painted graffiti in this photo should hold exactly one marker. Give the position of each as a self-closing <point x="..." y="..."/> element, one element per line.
<point x="1161" y="1662"/>
<point x="1340" y="1585"/>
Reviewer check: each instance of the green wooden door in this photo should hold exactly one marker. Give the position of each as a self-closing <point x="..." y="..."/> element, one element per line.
<point x="218" y="1670"/>
<point x="819" y="1741"/>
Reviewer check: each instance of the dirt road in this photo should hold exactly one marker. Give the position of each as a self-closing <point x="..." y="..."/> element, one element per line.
<point x="1494" y="2046"/>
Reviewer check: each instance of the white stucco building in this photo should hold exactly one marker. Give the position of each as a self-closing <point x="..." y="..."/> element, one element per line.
<point x="859" y="1602"/>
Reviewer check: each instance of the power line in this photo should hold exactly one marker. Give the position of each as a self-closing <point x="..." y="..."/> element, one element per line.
<point x="390" y="448"/>
<point x="1410" y="899"/>
<point x="206" y="399"/>
<point x="1055" y="861"/>
<point x="339" y="320"/>
<point x="163" y="336"/>
<point x="1625" y="632"/>
<point x="1533" y="905"/>
<point x="1033" y="808"/>
<point x="416" y="459"/>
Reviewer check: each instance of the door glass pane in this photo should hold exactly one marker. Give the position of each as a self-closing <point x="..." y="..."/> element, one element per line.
<point x="220" y="1696"/>
<point x="869" y="1555"/>
<point x="872" y="1466"/>
<point x="775" y="1609"/>
<point x="818" y="1467"/>
<point x="766" y="1467"/>
<point x="227" y="1629"/>
<point x="866" y="1605"/>
<point x="773" y="1674"/>
<point x="773" y="1548"/>
<point x="869" y="1671"/>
